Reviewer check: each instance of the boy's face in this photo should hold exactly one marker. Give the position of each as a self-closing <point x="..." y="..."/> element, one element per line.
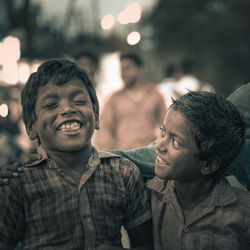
<point x="176" y="150"/>
<point x="65" y="117"/>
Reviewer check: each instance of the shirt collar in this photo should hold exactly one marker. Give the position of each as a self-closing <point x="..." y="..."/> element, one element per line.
<point x="44" y="157"/>
<point x="221" y="195"/>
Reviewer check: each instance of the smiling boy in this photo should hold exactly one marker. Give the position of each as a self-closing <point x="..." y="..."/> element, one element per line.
<point x="74" y="197"/>
<point x="193" y="206"/>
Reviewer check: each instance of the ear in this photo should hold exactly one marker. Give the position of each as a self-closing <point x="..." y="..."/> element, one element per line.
<point x="31" y="131"/>
<point x="209" y="168"/>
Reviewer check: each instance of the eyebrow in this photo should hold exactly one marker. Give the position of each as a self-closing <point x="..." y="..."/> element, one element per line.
<point x="49" y="96"/>
<point x="74" y="93"/>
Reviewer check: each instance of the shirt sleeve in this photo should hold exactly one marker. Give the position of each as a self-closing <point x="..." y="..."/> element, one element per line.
<point x="143" y="158"/>
<point x="138" y="208"/>
<point x="11" y="215"/>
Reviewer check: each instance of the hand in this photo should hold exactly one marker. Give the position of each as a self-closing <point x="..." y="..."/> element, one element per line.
<point x="10" y="171"/>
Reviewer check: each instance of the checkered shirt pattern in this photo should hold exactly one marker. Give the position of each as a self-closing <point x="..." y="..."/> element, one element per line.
<point x="46" y="208"/>
<point x="221" y="222"/>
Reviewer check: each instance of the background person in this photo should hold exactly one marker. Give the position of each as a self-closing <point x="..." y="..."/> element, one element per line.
<point x="132" y="115"/>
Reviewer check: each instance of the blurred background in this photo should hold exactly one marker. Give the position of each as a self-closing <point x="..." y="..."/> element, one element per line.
<point x="213" y="34"/>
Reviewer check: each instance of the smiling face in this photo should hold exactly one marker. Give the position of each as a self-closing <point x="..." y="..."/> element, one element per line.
<point x="176" y="150"/>
<point x="65" y="117"/>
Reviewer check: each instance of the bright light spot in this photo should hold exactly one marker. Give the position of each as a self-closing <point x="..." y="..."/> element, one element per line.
<point x="134" y="12"/>
<point x="9" y="55"/>
<point x="133" y="38"/>
<point x="11" y="48"/>
<point x="23" y="71"/>
<point x="107" y="22"/>
<point x="10" y="72"/>
<point x="123" y="18"/>
<point x="4" y="110"/>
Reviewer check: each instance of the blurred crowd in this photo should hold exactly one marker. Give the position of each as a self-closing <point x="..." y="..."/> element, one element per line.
<point x="130" y="116"/>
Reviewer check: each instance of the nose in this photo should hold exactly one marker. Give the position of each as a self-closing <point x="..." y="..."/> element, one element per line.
<point x="67" y="109"/>
<point x="161" y="144"/>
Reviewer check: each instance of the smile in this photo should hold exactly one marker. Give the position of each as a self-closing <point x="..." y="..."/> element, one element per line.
<point x="161" y="161"/>
<point x="69" y="126"/>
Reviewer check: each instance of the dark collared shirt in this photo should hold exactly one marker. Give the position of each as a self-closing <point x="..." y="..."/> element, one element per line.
<point x="221" y="222"/>
<point x="45" y="207"/>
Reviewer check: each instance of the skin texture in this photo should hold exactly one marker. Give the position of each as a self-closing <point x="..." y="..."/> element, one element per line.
<point x="59" y="104"/>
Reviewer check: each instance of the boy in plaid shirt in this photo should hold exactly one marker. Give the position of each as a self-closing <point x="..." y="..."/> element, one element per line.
<point x="73" y="197"/>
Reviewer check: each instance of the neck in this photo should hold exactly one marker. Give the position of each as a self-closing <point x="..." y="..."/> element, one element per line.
<point x="72" y="160"/>
<point x="135" y="85"/>
<point x="191" y="194"/>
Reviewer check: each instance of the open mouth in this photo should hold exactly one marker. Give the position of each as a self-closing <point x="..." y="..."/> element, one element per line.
<point x="70" y="126"/>
<point x="161" y="161"/>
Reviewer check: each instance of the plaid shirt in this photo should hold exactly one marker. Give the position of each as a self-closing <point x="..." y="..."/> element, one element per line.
<point x="46" y="208"/>
<point x="221" y="222"/>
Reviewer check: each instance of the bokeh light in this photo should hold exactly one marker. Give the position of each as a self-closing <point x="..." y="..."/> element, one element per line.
<point x="107" y="22"/>
<point x="9" y="55"/>
<point x="23" y="71"/>
<point x="4" y="110"/>
<point x="133" y="38"/>
<point x="132" y="14"/>
<point x="122" y="17"/>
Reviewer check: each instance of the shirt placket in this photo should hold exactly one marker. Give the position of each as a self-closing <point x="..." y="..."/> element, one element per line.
<point x="85" y="208"/>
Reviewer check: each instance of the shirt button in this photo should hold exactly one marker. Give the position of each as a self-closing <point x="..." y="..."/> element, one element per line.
<point x="186" y="230"/>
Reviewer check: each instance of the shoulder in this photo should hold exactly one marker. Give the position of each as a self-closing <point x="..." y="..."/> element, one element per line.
<point x="243" y="198"/>
<point x="151" y="86"/>
<point x="122" y="167"/>
<point x="115" y="95"/>
<point x="117" y="162"/>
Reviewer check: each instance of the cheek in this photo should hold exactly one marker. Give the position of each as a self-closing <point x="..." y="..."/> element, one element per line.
<point x="180" y="159"/>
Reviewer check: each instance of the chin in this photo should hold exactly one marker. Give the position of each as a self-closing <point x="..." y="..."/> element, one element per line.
<point x="75" y="148"/>
<point x="161" y="174"/>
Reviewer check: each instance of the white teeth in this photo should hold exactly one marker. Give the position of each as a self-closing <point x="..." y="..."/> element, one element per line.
<point x="161" y="161"/>
<point x="69" y="126"/>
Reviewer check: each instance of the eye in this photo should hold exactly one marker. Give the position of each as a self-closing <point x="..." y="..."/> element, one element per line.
<point x="50" y="105"/>
<point x="80" y="102"/>
<point x="175" y="143"/>
<point x="163" y="132"/>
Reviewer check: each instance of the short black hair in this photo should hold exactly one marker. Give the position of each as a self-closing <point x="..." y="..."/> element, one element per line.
<point x="217" y="126"/>
<point x="60" y="71"/>
<point x="133" y="57"/>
